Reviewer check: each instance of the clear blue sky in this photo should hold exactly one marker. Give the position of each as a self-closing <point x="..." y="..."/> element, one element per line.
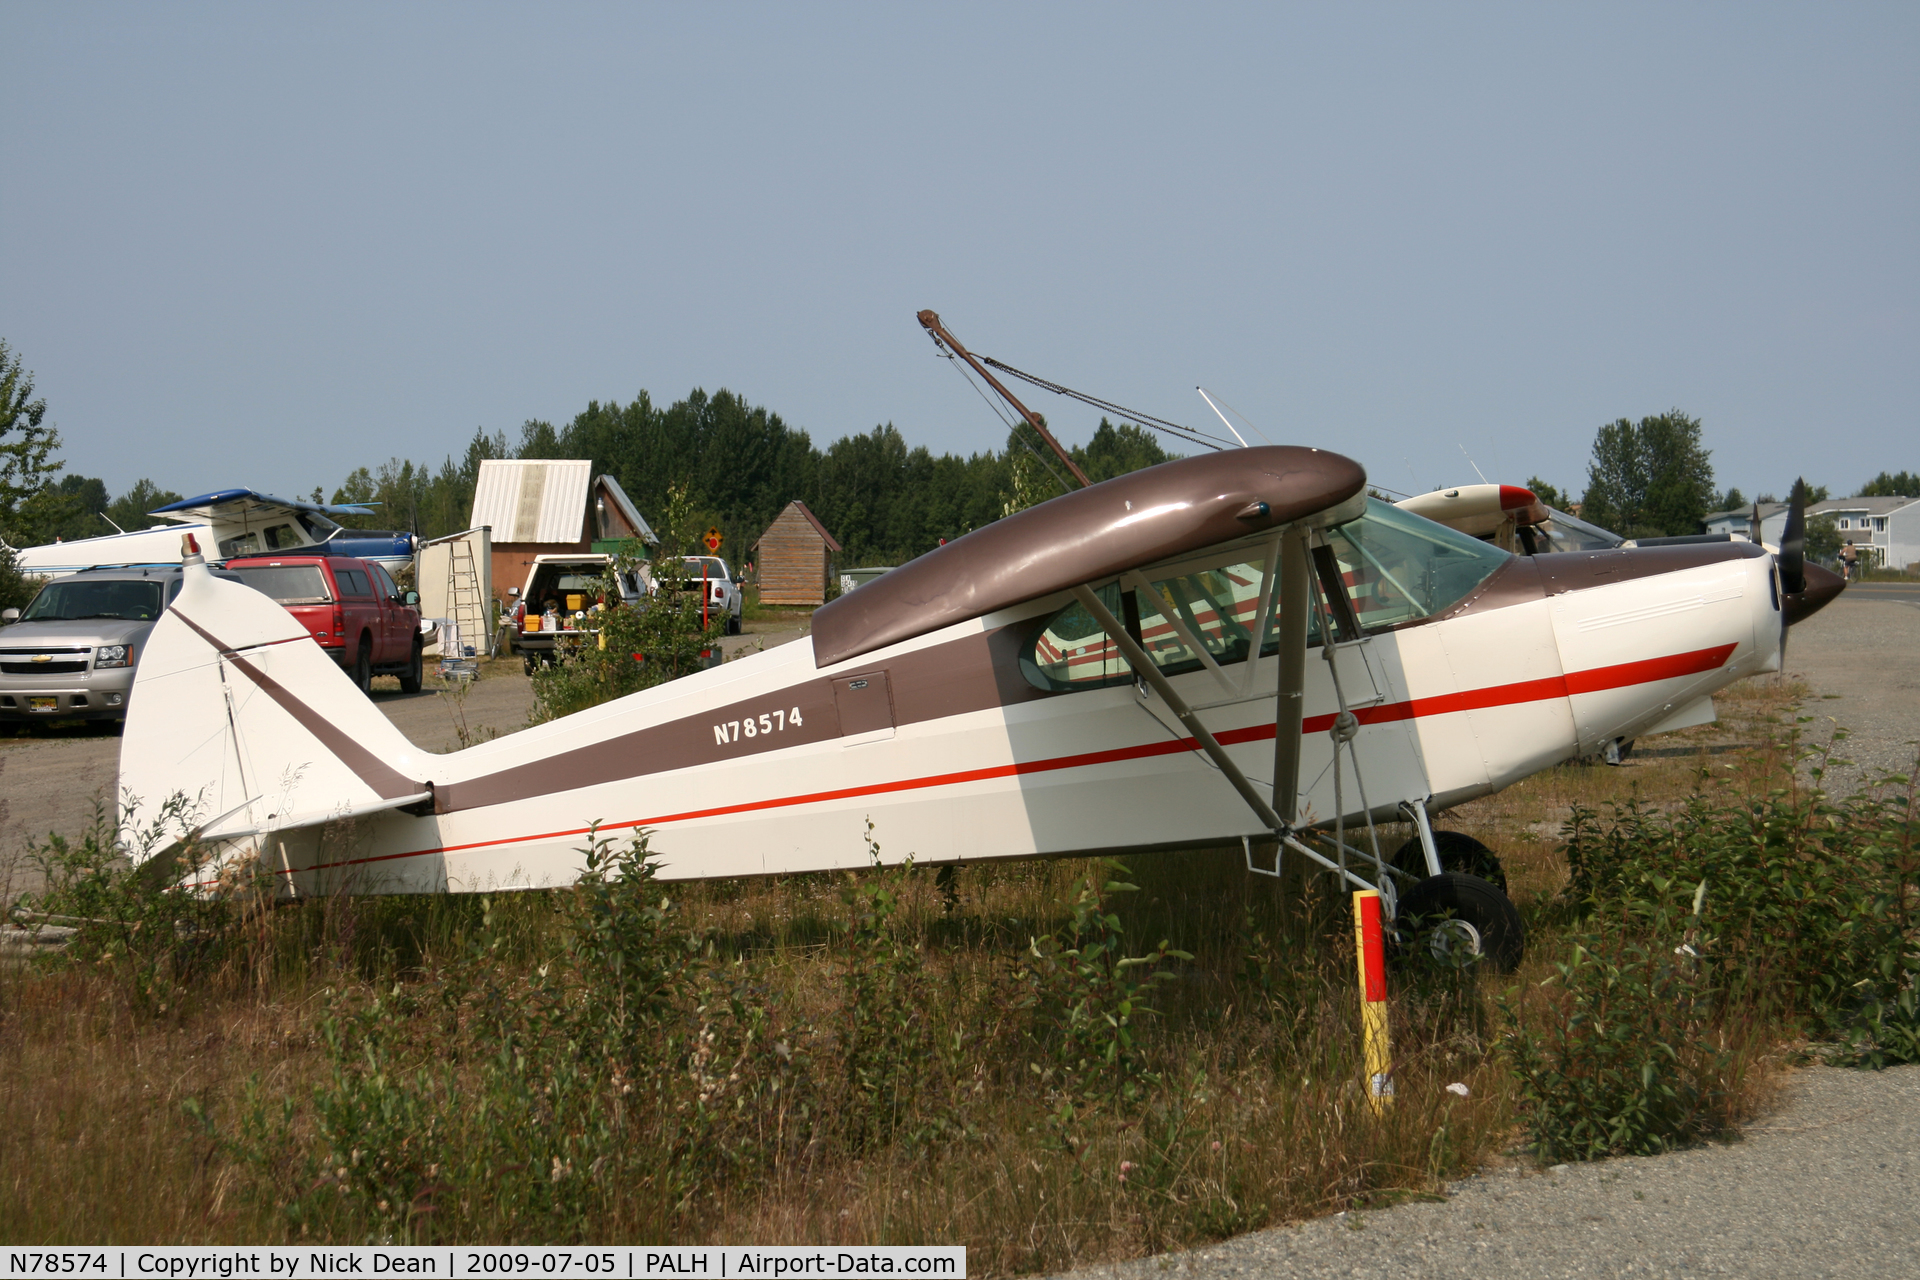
<point x="263" y="244"/>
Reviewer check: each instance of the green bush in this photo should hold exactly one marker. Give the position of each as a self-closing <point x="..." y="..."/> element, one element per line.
<point x="1803" y="919"/>
<point x="1091" y="994"/>
<point x="156" y="918"/>
<point x="888" y="1051"/>
<point x="1630" y="1057"/>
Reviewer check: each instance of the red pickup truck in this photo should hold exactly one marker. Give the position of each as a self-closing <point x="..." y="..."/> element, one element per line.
<point x="350" y="607"/>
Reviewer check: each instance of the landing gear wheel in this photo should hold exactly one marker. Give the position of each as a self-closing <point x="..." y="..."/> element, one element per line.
<point x="1458" y="852"/>
<point x="363" y="667"/>
<point x="416" y="671"/>
<point x="1460" y="920"/>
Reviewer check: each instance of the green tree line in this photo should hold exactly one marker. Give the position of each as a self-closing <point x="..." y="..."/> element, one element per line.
<point x="740" y="464"/>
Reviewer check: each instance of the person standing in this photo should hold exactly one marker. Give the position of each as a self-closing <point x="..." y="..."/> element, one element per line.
<point x="1849" y="561"/>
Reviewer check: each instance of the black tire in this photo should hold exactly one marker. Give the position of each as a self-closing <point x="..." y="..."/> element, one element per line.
<point x="1426" y="923"/>
<point x="362" y="672"/>
<point x="531" y="663"/>
<point x="415" y="674"/>
<point x="733" y="625"/>
<point x="1458" y="852"/>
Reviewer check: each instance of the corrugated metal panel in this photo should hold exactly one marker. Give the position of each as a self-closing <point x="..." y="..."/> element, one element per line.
<point x="532" y="501"/>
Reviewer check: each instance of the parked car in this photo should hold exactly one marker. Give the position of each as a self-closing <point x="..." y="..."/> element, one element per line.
<point x="71" y="654"/>
<point x="553" y="579"/>
<point x="723" y="587"/>
<point x="350" y="607"/>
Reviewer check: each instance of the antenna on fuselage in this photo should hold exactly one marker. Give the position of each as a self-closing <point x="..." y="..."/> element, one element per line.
<point x="1470" y="462"/>
<point x="1223" y="417"/>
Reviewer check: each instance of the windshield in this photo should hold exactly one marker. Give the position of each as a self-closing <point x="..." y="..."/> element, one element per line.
<point x="318" y="527"/>
<point x="1562" y="532"/>
<point x="287" y="583"/>
<point x="713" y="566"/>
<point x="1400" y="567"/>
<point x="68" y="600"/>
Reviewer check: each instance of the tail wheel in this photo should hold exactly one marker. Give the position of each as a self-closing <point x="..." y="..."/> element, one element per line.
<point x="1458" y="852"/>
<point x="413" y="676"/>
<point x="363" y="667"/>
<point x="1460" y="920"/>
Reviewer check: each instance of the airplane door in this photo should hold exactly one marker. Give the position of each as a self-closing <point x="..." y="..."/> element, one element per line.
<point x="865" y="706"/>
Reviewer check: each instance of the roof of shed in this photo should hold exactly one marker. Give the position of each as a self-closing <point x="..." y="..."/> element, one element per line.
<point x="534" y="500"/>
<point x="801" y="507"/>
<point x="624" y="505"/>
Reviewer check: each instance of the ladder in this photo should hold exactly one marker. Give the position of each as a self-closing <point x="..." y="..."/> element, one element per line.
<point x="465" y="609"/>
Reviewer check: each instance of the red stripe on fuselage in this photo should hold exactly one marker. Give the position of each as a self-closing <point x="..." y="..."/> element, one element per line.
<point x="1596" y="680"/>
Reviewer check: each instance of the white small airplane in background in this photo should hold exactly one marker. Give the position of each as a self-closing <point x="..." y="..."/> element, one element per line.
<point x="1512" y="518"/>
<point x="230" y="522"/>
<point x="1122" y="668"/>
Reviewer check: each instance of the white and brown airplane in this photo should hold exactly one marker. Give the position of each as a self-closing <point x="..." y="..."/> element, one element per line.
<point x="1169" y="660"/>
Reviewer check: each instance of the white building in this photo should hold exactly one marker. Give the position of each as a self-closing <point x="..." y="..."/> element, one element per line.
<point x="1885" y="531"/>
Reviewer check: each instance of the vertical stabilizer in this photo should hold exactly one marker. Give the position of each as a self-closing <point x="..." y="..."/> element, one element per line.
<point x="237" y="710"/>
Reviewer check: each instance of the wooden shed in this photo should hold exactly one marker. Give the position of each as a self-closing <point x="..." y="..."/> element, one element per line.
<point x="792" y="557"/>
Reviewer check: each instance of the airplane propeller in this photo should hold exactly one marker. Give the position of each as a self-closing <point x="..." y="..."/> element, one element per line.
<point x="1805" y="588"/>
<point x="1793" y="542"/>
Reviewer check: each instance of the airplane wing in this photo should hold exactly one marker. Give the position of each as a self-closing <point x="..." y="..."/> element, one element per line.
<point x="237" y="505"/>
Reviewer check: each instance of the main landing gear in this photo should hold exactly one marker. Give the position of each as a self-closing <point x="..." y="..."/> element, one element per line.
<point x="1458" y="912"/>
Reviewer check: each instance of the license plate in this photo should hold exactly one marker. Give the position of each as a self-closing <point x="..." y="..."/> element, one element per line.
<point x="43" y="704"/>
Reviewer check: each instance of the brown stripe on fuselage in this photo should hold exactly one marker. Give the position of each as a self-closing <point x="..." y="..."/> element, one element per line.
<point x="974" y="673"/>
<point x="371" y="769"/>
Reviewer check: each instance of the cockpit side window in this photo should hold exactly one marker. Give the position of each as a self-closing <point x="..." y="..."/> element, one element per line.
<point x="1392" y="566"/>
<point x="1217" y="606"/>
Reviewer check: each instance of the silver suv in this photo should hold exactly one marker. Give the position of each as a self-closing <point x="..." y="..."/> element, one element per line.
<point x="71" y="654"/>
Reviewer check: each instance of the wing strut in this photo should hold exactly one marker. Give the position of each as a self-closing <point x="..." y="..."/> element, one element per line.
<point x="1289" y="698"/>
<point x="1144" y="668"/>
<point x="1288" y="703"/>
<point x="1288" y="712"/>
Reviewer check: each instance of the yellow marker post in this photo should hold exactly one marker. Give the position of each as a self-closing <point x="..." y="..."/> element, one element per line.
<point x="1369" y="943"/>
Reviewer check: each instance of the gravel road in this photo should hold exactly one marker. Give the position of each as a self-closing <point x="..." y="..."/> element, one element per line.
<point x="1829" y="1185"/>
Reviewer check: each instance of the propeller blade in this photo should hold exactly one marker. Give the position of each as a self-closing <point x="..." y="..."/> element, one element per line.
<point x="1753" y="529"/>
<point x="1793" y="542"/>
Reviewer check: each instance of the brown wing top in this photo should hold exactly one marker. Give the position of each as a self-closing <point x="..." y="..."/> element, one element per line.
<point x="1089" y="534"/>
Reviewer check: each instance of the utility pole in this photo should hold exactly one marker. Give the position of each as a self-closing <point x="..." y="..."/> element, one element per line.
<point x="931" y="323"/>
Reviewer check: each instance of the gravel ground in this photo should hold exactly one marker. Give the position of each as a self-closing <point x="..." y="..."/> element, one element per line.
<point x="1830" y="1186"/>
<point x="1861" y="654"/>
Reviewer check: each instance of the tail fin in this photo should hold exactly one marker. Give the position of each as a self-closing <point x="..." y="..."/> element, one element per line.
<point x="236" y="709"/>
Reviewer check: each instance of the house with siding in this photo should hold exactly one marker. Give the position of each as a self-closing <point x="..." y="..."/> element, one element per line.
<point x="1885" y="531"/>
<point x="546" y="506"/>
<point x="793" y="558"/>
